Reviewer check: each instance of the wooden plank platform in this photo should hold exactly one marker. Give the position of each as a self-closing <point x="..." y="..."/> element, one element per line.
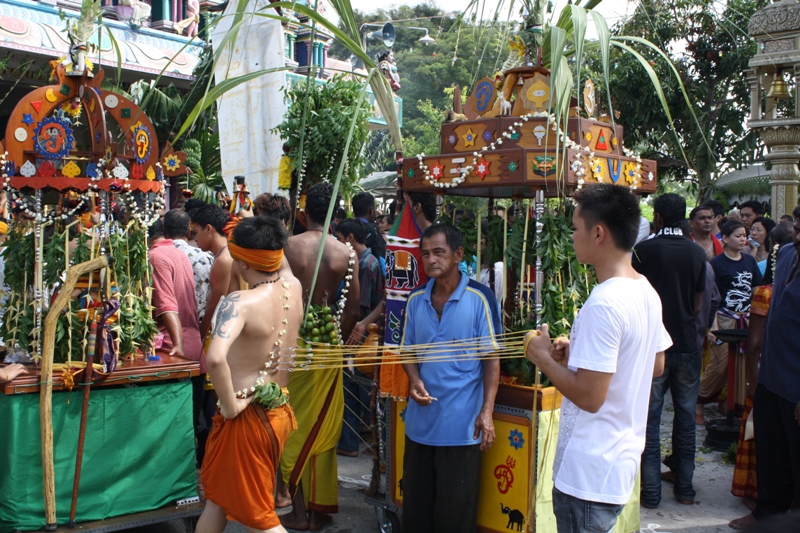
<point x="185" y="512"/>
<point x="137" y="371"/>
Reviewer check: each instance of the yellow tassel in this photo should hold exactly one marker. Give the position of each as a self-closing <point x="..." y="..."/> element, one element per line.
<point x="285" y="173"/>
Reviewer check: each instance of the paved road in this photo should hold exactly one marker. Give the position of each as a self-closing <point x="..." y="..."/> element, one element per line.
<point x="713" y="509"/>
<point x="355" y="516"/>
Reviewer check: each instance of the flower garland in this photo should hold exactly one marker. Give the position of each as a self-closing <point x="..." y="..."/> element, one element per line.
<point x="151" y="211"/>
<point x="578" y="165"/>
<point x="343" y="300"/>
<point x="775" y="258"/>
<point x="28" y="207"/>
<point x="276" y="347"/>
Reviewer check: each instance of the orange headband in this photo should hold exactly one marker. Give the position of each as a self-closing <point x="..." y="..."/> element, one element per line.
<point x="263" y="260"/>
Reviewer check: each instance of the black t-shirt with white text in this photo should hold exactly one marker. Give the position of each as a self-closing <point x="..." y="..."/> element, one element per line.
<point x="735" y="280"/>
<point x="676" y="268"/>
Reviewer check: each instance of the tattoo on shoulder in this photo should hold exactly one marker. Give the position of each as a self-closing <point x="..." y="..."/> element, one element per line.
<point x="226" y="310"/>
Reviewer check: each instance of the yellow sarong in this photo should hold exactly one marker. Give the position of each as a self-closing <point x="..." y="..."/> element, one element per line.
<point x="310" y="453"/>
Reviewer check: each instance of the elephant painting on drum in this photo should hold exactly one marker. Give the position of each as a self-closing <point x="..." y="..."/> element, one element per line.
<point x="402" y="270"/>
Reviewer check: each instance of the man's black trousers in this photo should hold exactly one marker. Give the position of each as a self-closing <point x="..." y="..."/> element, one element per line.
<point x="440" y="488"/>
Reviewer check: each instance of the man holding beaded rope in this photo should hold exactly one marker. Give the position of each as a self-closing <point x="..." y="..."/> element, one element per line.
<point x="449" y="422"/>
<point x="249" y="359"/>
<point x="309" y="470"/>
<point x="605" y="369"/>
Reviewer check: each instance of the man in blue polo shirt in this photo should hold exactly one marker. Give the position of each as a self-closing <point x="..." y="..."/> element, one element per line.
<point x="449" y="416"/>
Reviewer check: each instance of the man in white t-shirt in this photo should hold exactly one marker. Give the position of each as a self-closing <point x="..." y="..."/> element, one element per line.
<point x="605" y="369"/>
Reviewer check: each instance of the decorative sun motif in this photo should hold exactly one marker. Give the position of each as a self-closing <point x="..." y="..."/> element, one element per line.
<point x="437" y="171"/>
<point x="512" y="166"/>
<point x="631" y="172"/>
<point x="469" y="138"/>
<point x="588" y="136"/>
<point x="172" y="163"/>
<point x="487" y="136"/>
<point x="515" y="439"/>
<point x="598" y="169"/>
<point x="482" y="168"/>
<point x="451" y="139"/>
<point x="614" y="142"/>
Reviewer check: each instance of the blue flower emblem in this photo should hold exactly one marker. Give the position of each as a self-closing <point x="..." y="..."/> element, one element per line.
<point x="515" y="439"/>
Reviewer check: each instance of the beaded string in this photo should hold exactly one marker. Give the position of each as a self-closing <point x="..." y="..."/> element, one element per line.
<point x="276" y="347"/>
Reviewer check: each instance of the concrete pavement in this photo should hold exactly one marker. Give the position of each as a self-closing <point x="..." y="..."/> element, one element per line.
<point x="714" y="506"/>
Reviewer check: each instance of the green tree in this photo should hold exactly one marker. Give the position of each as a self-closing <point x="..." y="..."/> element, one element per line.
<point x="463" y="52"/>
<point x="709" y="47"/>
<point x="331" y="109"/>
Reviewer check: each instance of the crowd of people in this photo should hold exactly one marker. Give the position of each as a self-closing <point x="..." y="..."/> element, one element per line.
<point x="214" y="275"/>
<point x="231" y="292"/>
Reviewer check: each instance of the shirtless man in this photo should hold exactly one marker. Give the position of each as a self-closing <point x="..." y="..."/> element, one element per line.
<point x="249" y="360"/>
<point x="319" y="397"/>
<point x="209" y="221"/>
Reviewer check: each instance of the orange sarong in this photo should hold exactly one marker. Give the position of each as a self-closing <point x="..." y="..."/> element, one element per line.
<point x="239" y="466"/>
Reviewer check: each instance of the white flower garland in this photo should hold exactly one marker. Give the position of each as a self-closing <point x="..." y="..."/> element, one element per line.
<point x="149" y="214"/>
<point x="146" y="217"/>
<point x="343" y="299"/>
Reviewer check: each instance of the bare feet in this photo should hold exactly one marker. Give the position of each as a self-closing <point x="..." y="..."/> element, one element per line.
<point x="699" y="418"/>
<point x="340" y="451"/>
<point x="282" y="497"/>
<point x="742" y="523"/>
<point x="295" y="520"/>
<point x="318" y="520"/>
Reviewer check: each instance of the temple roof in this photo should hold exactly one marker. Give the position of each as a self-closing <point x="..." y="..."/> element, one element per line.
<point x="34" y="28"/>
<point x="783" y="16"/>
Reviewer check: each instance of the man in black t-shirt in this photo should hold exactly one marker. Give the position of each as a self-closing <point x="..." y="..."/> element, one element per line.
<point x="676" y="268"/>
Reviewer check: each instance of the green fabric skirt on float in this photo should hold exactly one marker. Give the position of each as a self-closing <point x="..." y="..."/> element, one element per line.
<point x="139" y="453"/>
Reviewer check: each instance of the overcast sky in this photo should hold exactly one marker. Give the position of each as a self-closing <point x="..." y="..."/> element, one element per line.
<point x="613" y="10"/>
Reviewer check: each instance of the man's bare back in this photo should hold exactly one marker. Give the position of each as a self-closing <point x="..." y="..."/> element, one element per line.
<point x="250" y="333"/>
<point x="301" y="254"/>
